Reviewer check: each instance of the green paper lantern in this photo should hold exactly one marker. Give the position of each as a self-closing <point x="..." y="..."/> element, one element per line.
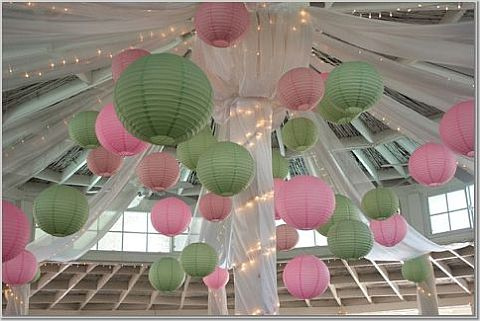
<point x="198" y="259"/>
<point x="334" y="115"/>
<point x="189" y="152"/>
<point x="380" y="203"/>
<point x="226" y="168"/>
<point x="37" y="276"/>
<point x="81" y="129"/>
<point x="416" y="269"/>
<point x="166" y="274"/>
<point x="279" y="164"/>
<point x="60" y="210"/>
<point x="354" y="87"/>
<point x="350" y="239"/>
<point x="344" y="210"/>
<point x="299" y="134"/>
<point x="163" y="99"/>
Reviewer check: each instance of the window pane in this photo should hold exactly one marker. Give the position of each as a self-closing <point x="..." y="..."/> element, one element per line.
<point x="112" y="241"/>
<point x="437" y="204"/>
<point x="39" y="233"/>
<point x="134" y="242"/>
<point x="158" y="243"/>
<point x="118" y="225"/>
<point x="135" y="222"/>
<point x="151" y="229"/>
<point x="179" y="242"/>
<point x="320" y="240"/>
<point x="471" y="190"/>
<point x="306" y="239"/>
<point x="456" y="200"/>
<point x="459" y="219"/>
<point x="439" y="223"/>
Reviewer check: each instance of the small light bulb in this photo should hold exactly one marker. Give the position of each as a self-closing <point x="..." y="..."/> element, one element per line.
<point x="40" y="73"/>
<point x="66" y="9"/>
<point x="52" y="65"/>
<point x="391" y="14"/>
<point x="172" y="29"/>
<point x="76" y="60"/>
<point x="408" y="10"/>
<point x="258" y="28"/>
<point x="64" y="62"/>
<point x="27" y="75"/>
<point x="398" y="9"/>
<point x="419" y="5"/>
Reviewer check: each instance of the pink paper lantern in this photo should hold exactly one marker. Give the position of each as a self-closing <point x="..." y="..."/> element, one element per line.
<point x="306" y="277"/>
<point x="121" y="60"/>
<point x="287" y="237"/>
<point x="112" y="135"/>
<point x="103" y="163"/>
<point x="305" y="202"/>
<point x="432" y="164"/>
<point x="171" y="216"/>
<point x="220" y="24"/>
<point x="19" y="270"/>
<point x="300" y="89"/>
<point x="457" y="128"/>
<point x="214" y="207"/>
<point x="217" y="279"/>
<point x="158" y="171"/>
<point x="389" y="232"/>
<point x="277" y="183"/>
<point x="324" y="76"/>
<point x="15" y="231"/>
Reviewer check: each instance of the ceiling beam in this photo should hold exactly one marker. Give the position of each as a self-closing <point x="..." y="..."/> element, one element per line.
<point x="153" y="297"/>
<point x="354" y="275"/>
<point x="384" y="273"/>
<point x="103" y="280"/>
<point x="333" y="290"/>
<point x="131" y="284"/>
<point x="446" y="269"/>
<point x="367" y="164"/>
<point x="184" y="292"/>
<point x="47" y="278"/>
<point x="74" y="166"/>
<point x="467" y="260"/>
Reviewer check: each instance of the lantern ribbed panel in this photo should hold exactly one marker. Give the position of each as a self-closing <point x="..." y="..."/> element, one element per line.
<point x="432" y="165"/>
<point x="171" y="216"/>
<point x="189" y="151"/>
<point x="380" y="203"/>
<point x="214" y="207"/>
<point x="198" y="259"/>
<point x="166" y="274"/>
<point x="354" y="86"/>
<point x="334" y="115"/>
<point x="306" y="277"/>
<point x="19" y="270"/>
<point x="81" y="129"/>
<point x="344" y="210"/>
<point x="350" y="239"/>
<point x="287" y="237"/>
<point x="217" y="279"/>
<point x="389" y="232"/>
<point x="37" y="276"/>
<point x="305" y="202"/>
<point x="221" y="24"/>
<point x="457" y="128"/>
<point x="103" y="163"/>
<point x="416" y="269"/>
<point x="277" y="183"/>
<point x="15" y="231"/>
<point x="226" y="168"/>
<point x="299" y="134"/>
<point x="60" y="210"/>
<point x="324" y="76"/>
<point x="163" y="99"/>
<point x="123" y="59"/>
<point x="113" y="136"/>
<point x="300" y="89"/>
<point x="158" y="171"/>
<point x="279" y="164"/>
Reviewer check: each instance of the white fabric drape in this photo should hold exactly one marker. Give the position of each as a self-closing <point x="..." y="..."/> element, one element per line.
<point x="18" y="300"/>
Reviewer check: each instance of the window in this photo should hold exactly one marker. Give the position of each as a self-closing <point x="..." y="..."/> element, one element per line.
<point x="307" y="238"/>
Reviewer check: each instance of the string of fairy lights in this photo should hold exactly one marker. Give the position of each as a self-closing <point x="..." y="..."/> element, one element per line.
<point x="380" y="14"/>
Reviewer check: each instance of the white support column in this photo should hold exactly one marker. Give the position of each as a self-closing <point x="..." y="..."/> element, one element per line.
<point x="427" y="299"/>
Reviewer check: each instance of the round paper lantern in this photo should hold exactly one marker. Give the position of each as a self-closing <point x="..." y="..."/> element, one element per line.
<point x="306" y="277"/>
<point x="416" y="269"/>
<point x="299" y="134"/>
<point x="217" y="279"/>
<point x="121" y="60"/>
<point x="457" y="128"/>
<point x="277" y="183"/>
<point x="389" y="232"/>
<point x="380" y="203"/>
<point x="163" y="99"/>
<point x="166" y="274"/>
<point x="334" y="115"/>
<point x="15" y="231"/>
<point x="60" y="210"/>
<point x="19" y="270"/>
<point x="344" y="210"/>
<point x="189" y="152"/>
<point x="279" y="164"/>
<point x="37" y="276"/>
<point x="198" y="259"/>
<point x="220" y="24"/>
<point x="171" y="216"/>
<point x="112" y="135"/>
<point x="214" y="207"/>
<point x="287" y="237"/>
<point x="305" y="202"/>
<point x="350" y="239"/>
<point x="103" y="163"/>
<point x="324" y="76"/>
<point x="81" y="129"/>
<point x="226" y="168"/>
<point x="300" y="89"/>
<point x="158" y="171"/>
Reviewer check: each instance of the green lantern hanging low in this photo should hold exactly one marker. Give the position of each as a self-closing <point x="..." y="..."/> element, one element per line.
<point x="299" y="134"/>
<point x="380" y="203"/>
<point x="81" y="129"/>
<point x="190" y="151"/>
<point x="198" y="259"/>
<point x="416" y="269"/>
<point x="344" y="210"/>
<point x="334" y="115"/>
<point x="349" y="239"/>
<point x="279" y="164"/>
<point x="166" y="274"/>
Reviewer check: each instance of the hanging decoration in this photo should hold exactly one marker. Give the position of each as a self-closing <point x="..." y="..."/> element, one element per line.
<point x="299" y="134"/>
<point x="277" y="184"/>
<point x="19" y="270"/>
<point x="333" y="115"/>
<point x="15" y="231"/>
<point x="287" y="237"/>
<point x="226" y="168"/>
<point x="344" y="210"/>
<point x="389" y="232"/>
<point x="457" y="128"/>
<point x="198" y="259"/>
<point x="158" y="171"/>
<point x="60" y="210"/>
<point x="380" y="203"/>
<point x="163" y="99"/>
<point x="103" y="163"/>
<point x="214" y="208"/>
<point x="279" y="164"/>
<point x="189" y="151"/>
<point x="324" y="76"/>
<point x="166" y="274"/>
<point x="432" y="165"/>
<point x="416" y="269"/>
<point x="123" y="59"/>
<point x="171" y="216"/>
<point x="81" y="129"/>
<point x="350" y="239"/>
<point x="217" y="279"/>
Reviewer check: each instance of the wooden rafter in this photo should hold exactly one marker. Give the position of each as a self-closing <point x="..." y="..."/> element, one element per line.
<point x="467" y="260"/>
<point x="131" y="284"/>
<point x="446" y="269"/>
<point x="184" y="292"/>
<point x="354" y="275"/>
<point x="383" y="272"/>
<point x="47" y="278"/>
<point x="103" y="280"/>
<point x="335" y="294"/>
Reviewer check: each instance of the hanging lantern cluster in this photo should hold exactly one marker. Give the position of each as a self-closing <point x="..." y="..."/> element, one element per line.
<point x="457" y="128"/>
<point x="279" y="164"/>
<point x="81" y="129"/>
<point x="15" y="231"/>
<point x="380" y="203"/>
<point x="389" y="232"/>
<point x="171" y="216"/>
<point x="190" y="151"/>
<point x="214" y="208"/>
<point x="158" y="171"/>
<point x="198" y="259"/>
<point x="166" y="274"/>
<point x="299" y="134"/>
<point x="103" y="163"/>
<point x="344" y="210"/>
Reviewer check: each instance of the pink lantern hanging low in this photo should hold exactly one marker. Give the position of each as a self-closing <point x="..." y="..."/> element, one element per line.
<point x="158" y="171"/>
<point x="432" y="165"/>
<point x="389" y="232"/>
<point x="103" y="163"/>
<point x="300" y="89"/>
<point x="121" y="60"/>
<point x="19" y="270"/>
<point x="220" y="24"/>
<point x="277" y="183"/>
<point x="214" y="207"/>
<point x="15" y="231"/>
<point x="457" y="128"/>
<point x="171" y="216"/>
<point x="217" y="279"/>
<point x="306" y="277"/>
<point x="287" y="237"/>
